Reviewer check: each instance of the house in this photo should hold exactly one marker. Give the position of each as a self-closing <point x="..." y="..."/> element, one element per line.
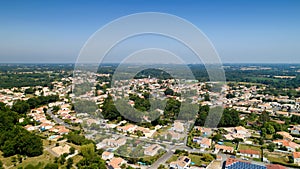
<point x="204" y="131"/>
<point x="286" y="135"/>
<point x="178" y="126"/>
<point x="128" y="128"/>
<point x="60" y="130"/>
<point x="250" y="153"/>
<point x="116" y="162"/>
<point x="45" y="126"/>
<point x="205" y="143"/>
<point x="107" y="155"/>
<point x="174" y="135"/>
<point x="182" y="162"/>
<point x="296" y="157"/>
<point x="30" y="128"/>
<point x="241" y="130"/>
<point x="278" y="113"/>
<point x="224" y="149"/>
<point x="295" y="130"/>
<point x="152" y="150"/>
<point x="291" y="146"/>
<point x="145" y="131"/>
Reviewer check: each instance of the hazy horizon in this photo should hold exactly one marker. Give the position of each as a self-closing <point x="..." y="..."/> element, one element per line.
<point x="241" y="32"/>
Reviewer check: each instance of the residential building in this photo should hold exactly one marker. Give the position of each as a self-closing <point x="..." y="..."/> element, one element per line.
<point x="107" y="155"/>
<point x="224" y="149"/>
<point x="286" y="135"/>
<point x="250" y="153"/>
<point x="296" y="157"/>
<point x="116" y="162"/>
<point x="182" y="162"/>
<point x="291" y="146"/>
<point x="152" y="150"/>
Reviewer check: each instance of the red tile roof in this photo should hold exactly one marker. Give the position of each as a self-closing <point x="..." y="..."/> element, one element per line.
<point x="275" y="166"/>
<point x="296" y="154"/>
<point x="248" y="151"/>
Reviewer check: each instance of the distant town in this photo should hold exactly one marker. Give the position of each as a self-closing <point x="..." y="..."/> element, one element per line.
<point x="52" y="119"/>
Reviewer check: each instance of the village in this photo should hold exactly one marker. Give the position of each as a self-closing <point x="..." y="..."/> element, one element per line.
<point x="122" y="140"/>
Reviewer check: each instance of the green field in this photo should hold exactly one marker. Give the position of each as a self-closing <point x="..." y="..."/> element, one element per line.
<point x="247" y="147"/>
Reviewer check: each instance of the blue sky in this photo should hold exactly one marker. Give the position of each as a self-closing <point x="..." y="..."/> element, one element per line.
<point x="242" y="31"/>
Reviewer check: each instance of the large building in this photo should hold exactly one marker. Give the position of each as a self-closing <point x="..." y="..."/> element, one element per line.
<point x="232" y="163"/>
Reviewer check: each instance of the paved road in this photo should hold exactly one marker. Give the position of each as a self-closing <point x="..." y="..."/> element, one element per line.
<point x="162" y="159"/>
<point x="57" y="120"/>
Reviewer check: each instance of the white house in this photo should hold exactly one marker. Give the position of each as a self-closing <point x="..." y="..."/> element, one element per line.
<point x="107" y="155"/>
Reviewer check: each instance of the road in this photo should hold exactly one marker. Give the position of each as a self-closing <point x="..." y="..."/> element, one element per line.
<point x="58" y="120"/>
<point x="162" y="159"/>
<point x="49" y="149"/>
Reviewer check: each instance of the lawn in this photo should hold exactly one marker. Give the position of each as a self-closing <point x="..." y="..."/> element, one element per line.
<point x="197" y="159"/>
<point x="230" y="144"/>
<point x="247" y="147"/>
<point x="280" y="158"/>
<point x="173" y="158"/>
<point x="42" y="160"/>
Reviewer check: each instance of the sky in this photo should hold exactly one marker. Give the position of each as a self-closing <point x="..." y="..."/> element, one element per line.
<point x="53" y="31"/>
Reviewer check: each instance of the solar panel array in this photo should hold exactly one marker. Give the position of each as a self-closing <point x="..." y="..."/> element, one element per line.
<point x="242" y="165"/>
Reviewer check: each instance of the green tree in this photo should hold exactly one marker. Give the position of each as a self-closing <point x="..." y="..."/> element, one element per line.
<point x="51" y="166"/>
<point x="88" y="150"/>
<point x="207" y="158"/>
<point x="169" y="91"/>
<point x="264" y="117"/>
<point x="20" y="107"/>
<point x="217" y="137"/>
<point x="271" y="147"/>
<point x="270" y="129"/>
<point x="72" y="150"/>
<point x="69" y="163"/>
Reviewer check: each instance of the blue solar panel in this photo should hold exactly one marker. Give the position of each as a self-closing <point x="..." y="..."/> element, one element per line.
<point x="242" y="165"/>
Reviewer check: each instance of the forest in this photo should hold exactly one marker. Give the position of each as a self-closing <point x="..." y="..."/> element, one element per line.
<point x="14" y="139"/>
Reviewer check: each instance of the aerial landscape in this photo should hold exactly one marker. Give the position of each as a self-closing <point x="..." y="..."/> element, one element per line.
<point x="115" y="85"/>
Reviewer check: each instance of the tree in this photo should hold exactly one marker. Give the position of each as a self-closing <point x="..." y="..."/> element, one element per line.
<point x="217" y="137"/>
<point x="69" y="163"/>
<point x="270" y="129"/>
<point x="161" y="167"/>
<point x="88" y="150"/>
<point x="20" y="107"/>
<point x="29" y="91"/>
<point x="271" y="147"/>
<point x="1" y="165"/>
<point x="72" y="150"/>
<point x="277" y="136"/>
<point x="264" y="117"/>
<point x="139" y="133"/>
<point x="169" y="91"/>
<point x="51" y="166"/>
<point x="55" y="108"/>
<point x="29" y="166"/>
<point x="62" y="159"/>
<point x="207" y="158"/>
<point x="206" y="97"/>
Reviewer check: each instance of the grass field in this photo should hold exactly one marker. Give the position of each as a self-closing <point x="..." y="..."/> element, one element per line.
<point x="247" y="147"/>
<point x="40" y="160"/>
<point x="227" y="143"/>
